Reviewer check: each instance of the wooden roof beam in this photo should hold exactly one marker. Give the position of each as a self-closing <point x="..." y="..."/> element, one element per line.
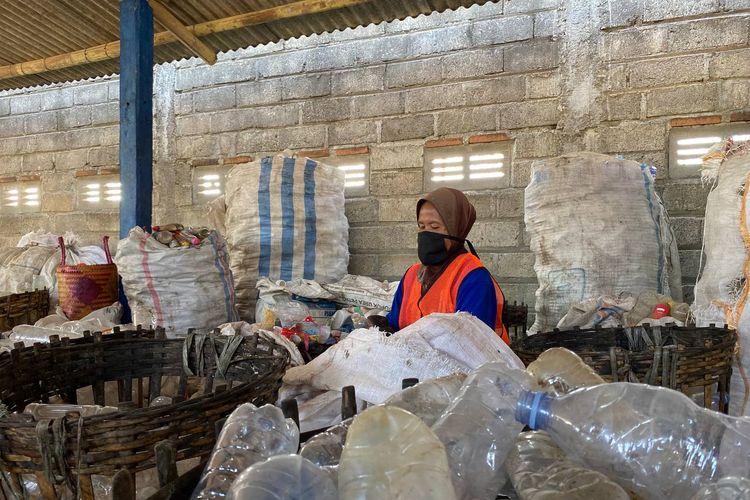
<point x="183" y="34"/>
<point x="111" y="50"/>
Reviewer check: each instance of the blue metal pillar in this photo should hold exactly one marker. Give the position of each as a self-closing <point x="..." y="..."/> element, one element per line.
<point x="136" y="119"/>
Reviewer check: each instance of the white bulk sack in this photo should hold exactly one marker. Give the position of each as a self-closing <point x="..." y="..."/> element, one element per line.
<point x="597" y="228"/>
<point x="285" y="220"/>
<point x="177" y="288"/>
<point x="721" y="290"/>
<point x="375" y="364"/>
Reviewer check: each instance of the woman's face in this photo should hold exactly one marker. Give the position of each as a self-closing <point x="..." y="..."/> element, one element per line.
<point x="429" y="219"/>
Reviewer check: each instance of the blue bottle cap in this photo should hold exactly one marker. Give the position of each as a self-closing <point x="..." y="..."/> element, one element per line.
<point x="532" y="409"/>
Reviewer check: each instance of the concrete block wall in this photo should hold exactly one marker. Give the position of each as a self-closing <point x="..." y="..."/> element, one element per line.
<point x="549" y="75"/>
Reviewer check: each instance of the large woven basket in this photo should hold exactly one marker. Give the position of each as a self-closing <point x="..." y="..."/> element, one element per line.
<point x="65" y="452"/>
<point x="23" y="308"/>
<point x="687" y="359"/>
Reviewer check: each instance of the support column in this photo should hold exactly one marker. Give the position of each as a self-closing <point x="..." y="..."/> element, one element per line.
<point x="136" y="118"/>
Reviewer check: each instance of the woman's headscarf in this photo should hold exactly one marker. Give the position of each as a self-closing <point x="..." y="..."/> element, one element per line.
<point x="459" y="215"/>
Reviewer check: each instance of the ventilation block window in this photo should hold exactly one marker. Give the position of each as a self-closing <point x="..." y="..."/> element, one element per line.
<point x="98" y="192"/>
<point x="208" y="183"/>
<point x="688" y="145"/>
<point x="473" y="167"/>
<point x="356" y="169"/>
<point x="20" y="197"/>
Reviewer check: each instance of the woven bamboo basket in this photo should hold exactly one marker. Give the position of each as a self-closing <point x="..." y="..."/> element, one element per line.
<point x="23" y="308"/>
<point x="687" y="359"/>
<point x="65" y="452"/>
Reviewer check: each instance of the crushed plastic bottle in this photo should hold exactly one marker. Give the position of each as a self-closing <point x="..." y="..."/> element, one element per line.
<point x="161" y="401"/>
<point x="40" y="410"/>
<point x="429" y="399"/>
<point x="651" y="440"/>
<point x="478" y="429"/>
<point x="539" y="469"/>
<point x="324" y="450"/>
<point x="392" y="454"/>
<point x="250" y="435"/>
<point x="560" y="371"/>
<point x="727" y="488"/>
<point x="285" y="477"/>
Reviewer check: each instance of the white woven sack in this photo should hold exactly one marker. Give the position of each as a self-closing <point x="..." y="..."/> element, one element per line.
<point x="285" y="220"/>
<point x="177" y="288"/>
<point x="720" y="292"/>
<point x="597" y="228"/>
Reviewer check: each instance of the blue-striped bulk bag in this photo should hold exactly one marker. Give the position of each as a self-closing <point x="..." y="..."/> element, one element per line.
<point x="177" y="288"/>
<point x="284" y="220"/>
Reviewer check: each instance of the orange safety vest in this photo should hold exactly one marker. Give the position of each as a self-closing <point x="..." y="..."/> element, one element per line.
<point x="442" y="295"/>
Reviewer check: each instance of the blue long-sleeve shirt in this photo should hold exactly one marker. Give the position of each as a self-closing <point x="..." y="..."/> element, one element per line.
<point x="476" y="295"/>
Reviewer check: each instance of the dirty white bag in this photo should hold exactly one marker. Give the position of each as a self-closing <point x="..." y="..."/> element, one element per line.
<point x="177" y="288"/>
<point x="285" y="219"/>
<point x="721" y="290"/>
<point x="363" y="291"/>
<point x="597" y="228"/>
<point x="375" y="364"/>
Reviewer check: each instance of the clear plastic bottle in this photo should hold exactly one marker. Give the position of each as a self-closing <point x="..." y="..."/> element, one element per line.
<point x="478" y="429"/>
<point x="560" y="371"/>
<point x="539" y="469"/>
<point x="652" y="440"/>
<point x="392" y="454"/>
<point x="324" y="450"/>
<point x="727" y="488"/>
<point x="250" y="435"/>
<point x="429" y="399"/>
<point x="285" y="477"/>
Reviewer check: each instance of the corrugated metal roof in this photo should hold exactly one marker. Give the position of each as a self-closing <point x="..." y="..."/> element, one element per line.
<point x="35" y="29"/>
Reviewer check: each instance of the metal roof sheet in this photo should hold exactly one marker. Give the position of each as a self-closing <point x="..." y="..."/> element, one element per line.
<point x="36" y="29"/>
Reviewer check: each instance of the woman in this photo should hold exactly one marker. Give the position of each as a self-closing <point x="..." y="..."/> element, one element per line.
<point x="449" y="278"/>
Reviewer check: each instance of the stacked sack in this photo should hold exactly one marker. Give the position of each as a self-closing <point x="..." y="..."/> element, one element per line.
<point x="597" y="228"/>
<point x="284" y="219"/>
<point x="177" y="286"/>
<point x="721" y="292"/>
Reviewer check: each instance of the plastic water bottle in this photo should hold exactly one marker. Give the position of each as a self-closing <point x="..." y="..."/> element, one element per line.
<point x="728" y="488"/>
<point x="560" y="371"/>
<point x="539" y="469"/>
<point x="652" y="440"/>
<point x="285" y="477"/>
<point x="392" y="454"/>
<point x="250" y="435"/>
<point x="429" y="399"/>
<point x="324" y="450"/>
<point x="479" y="428"/>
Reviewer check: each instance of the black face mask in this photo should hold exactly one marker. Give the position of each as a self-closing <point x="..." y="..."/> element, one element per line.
<point x="431" y="247"/>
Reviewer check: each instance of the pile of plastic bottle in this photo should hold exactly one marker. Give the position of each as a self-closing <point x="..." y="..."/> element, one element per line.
<point x="460" y="437"/>
<point x="176" y="235"/>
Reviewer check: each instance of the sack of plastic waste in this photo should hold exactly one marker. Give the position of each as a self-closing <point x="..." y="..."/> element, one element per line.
<point x="390" y="453"/>
<point x="597" y="227"/>
<point x="177" y="288"/>
<point x="478" y="429"/>
<point x="286" y="477"/>
<point x="285" y="219"/>
<point x="375" y="363"/>
<point x="651" y="440"/>
<point x="363" y="291"/>
<point x="721" y="291"/>
<point x="250" y="435"/>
